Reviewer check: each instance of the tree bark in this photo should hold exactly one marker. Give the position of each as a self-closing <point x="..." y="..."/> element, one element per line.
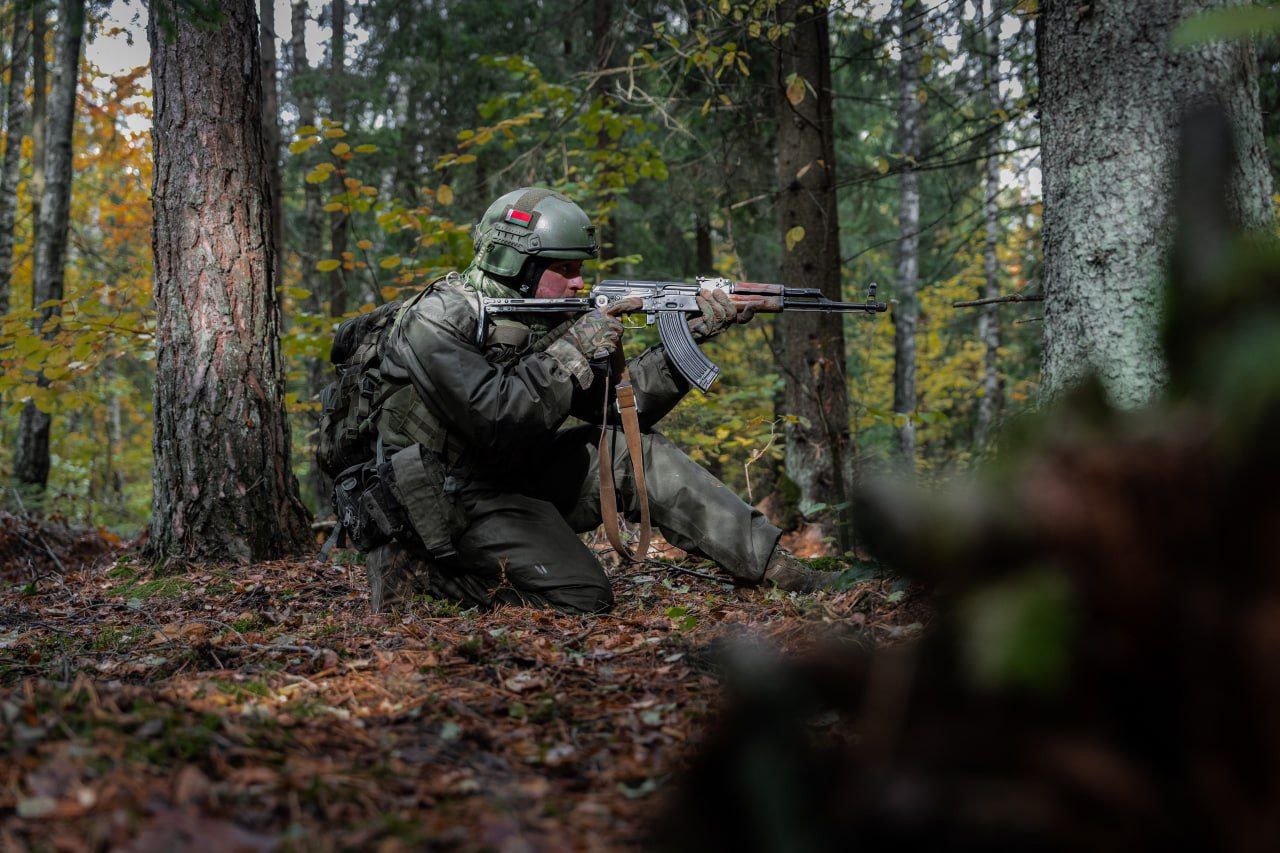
<point x="704" y="249"/>
<point x="31" y="459"/>
<point x="907" y="310"/>
<point x="39" y="100"/>
<point x="989" y="403"/>
<point x="1112" y="94"/>
<point x="222" y="483"/>
<point x="271" y="125"/>
<point x="15" y="127"/>
<point x="602" y="55"/>
<point x="818" y="450"/>
<point x="309" y="243"/>
<point x="338" y="106"/>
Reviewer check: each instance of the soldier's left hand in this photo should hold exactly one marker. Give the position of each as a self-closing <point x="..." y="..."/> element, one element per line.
<point x="719" y="312"/>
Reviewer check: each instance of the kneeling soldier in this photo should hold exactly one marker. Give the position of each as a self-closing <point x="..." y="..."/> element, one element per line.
<point x="485" y="409"/>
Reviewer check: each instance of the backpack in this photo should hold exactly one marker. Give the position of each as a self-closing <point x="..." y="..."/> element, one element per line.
<point x="349" y="404"/>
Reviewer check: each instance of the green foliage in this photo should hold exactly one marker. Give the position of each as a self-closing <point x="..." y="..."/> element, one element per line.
<point x="1232" y="22"/>
<point x="97" y="353"/>
<point x="1017" y="632"/>
<point x="670" y="148"/>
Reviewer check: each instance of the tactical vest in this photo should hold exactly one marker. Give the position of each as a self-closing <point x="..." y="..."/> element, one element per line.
<point x="405" y="418"/>
<point x="382" y="443"/>
<point x="361" y="405"/>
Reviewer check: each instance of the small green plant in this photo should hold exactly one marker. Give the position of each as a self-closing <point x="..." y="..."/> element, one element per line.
<point x="681" y="618"/>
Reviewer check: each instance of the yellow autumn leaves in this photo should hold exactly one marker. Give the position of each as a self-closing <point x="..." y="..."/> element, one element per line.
<point x="354" y="194"/>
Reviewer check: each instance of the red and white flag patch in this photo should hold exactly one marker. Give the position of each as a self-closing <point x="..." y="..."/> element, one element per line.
<point x="518" y="217"/>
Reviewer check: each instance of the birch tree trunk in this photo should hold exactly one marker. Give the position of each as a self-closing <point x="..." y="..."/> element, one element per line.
<point x="15" y="127"/>
<point x="31" y="457"/>
<point x="1112" y="94"/>
<point x="907" y="310"/>
<point x="811" y="358"/>
<point x="222" y="484"/>
<point x="989" y="402"/>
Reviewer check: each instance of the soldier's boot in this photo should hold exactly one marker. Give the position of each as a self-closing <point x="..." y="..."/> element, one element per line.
<point x="395" y="575"/>
<point x="791" y="574"/>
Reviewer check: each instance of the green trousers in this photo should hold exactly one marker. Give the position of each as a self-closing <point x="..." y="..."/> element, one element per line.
<point x="522" y="545"/>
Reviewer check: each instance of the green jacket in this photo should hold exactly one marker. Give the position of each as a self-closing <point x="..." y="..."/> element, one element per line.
<point x="490" y="405"/>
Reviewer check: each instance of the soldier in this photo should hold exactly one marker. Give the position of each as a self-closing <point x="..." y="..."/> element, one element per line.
<point x="487" y="408"/>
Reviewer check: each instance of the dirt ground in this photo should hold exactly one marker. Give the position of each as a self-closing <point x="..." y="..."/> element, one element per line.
<point x="261" y="707"/>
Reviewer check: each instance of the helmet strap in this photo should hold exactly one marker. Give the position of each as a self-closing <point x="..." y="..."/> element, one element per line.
<point x="526" y="282"/>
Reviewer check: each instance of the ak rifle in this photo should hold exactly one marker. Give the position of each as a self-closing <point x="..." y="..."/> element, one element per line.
<point x="670" y="304"/>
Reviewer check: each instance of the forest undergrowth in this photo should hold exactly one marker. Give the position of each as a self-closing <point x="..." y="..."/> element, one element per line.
<point x="265" y="706"/>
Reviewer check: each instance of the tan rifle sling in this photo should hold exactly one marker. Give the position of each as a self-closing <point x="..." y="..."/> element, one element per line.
<point x="625" y="396"/>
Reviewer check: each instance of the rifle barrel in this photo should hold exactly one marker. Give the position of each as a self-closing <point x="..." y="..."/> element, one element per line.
<point x="829" y="305"/>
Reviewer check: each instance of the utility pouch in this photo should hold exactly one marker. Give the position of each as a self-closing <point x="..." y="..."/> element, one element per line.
<point x="349" y="509"/>
<point x="428" y="497"/>
<point x="365" y="507"/>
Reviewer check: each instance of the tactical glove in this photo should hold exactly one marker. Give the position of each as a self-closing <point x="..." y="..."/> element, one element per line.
<point x="598" y="334"/>
<point x="593" y="336"/>
<point x="718" y="313"/>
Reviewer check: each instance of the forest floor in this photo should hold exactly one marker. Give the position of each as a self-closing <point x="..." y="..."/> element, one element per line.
<point x="264" y="706"/>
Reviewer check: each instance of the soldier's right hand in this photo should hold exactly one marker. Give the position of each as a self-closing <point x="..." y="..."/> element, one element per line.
<point x="598" y="334"/>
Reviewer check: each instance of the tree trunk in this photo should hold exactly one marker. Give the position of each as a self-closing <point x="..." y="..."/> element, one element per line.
<point x="309" y="243"/>
<point x="15" y="127"/>
<point x="115" y="467"/>
<point x="39" y="99"/>
<point x="406" y="172"/>
<point x="221" y="483"/>
<point x="989" y="402"/>
<point x="907" y="310"/>
<point x="1112" y="93"/>
<point x="271" y="125"/>
<point x="31" y="459"/>
<point x="812" y="345"/>
<point x="338" y="106"/>
<point x="704" y="250"/>
<point x="602" y="55"/>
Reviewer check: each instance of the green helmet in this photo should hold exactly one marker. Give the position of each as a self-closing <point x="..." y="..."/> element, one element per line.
<point x="532" y="222"/>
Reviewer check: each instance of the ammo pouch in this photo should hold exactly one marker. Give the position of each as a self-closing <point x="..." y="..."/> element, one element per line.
<point x="407" y="497"/>
<point x="427" y="496"/>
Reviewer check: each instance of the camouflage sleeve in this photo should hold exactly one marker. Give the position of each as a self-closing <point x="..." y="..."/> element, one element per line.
<point x="659" y="387"/>
<point x="496" y="407"/>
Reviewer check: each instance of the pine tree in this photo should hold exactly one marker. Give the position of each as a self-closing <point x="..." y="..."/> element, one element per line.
<point x="222" y="482"/>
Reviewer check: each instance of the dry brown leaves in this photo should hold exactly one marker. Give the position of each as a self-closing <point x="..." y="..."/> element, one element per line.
<point x="252" y="707"/>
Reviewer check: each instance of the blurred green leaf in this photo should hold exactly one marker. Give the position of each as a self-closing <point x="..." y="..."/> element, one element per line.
<point x="1239" y="22"/>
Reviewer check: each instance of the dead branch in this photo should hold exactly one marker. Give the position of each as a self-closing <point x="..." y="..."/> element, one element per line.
<point x="997" y="300"/>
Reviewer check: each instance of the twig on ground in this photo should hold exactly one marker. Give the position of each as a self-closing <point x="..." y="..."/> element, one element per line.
<point x="23" y="508"/>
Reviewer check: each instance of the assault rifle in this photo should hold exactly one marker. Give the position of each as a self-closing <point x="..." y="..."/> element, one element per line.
<point x="671" y="303"/>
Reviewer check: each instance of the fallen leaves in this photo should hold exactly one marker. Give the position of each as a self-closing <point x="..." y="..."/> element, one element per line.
<point x="239" y="706"/>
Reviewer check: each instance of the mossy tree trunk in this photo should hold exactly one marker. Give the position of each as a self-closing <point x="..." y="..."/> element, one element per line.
<point x="1112" y="94"/>
<point x="222" y="483"/>
<point x="906" y="312"/>
<point x="812" y="345"/>
<point x="989" y="404"/>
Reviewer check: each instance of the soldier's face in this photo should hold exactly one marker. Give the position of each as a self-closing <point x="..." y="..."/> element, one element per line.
<point x="561" y="279"/>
